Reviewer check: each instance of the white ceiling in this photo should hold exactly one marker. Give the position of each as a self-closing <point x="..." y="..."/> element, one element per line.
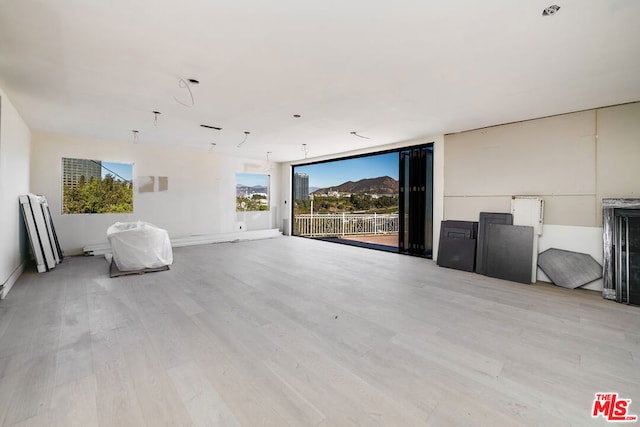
<point x="391" y="71"/>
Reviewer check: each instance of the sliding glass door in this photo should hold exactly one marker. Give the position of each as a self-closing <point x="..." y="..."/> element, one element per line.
<point x="381" y="200"/>
<point x="416" y="201"/>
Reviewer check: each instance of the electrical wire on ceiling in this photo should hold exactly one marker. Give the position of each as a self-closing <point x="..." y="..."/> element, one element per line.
<point x="186" y="84"/>
<point x="358" y="135"/>
<point x="268" y="166"/>
<point x="246" y="135"/>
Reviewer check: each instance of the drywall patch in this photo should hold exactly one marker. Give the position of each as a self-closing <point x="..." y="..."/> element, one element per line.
<point x="163" y="183"/>
<point x="146" y="184"/>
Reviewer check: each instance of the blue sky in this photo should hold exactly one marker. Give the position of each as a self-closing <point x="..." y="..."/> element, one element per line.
<point x="125" y="170"/>
<point x="252" y="179"/>
<point x="335" y="173"/>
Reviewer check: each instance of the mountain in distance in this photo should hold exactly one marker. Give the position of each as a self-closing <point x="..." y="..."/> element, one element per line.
<point x="242" y="190"/>
<point x="381" y="185"/>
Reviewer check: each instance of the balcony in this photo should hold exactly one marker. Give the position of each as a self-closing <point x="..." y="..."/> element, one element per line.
<point x="372" y="228"/>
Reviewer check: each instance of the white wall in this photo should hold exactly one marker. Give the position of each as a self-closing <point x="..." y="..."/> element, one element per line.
<point x="14" y="180"/>
<point x="200" y="199"/>
<point x="573" y="161"/>
<point x="438" y="180"/>
<point x="552" y="157"/>
<point x="618" y="153"/>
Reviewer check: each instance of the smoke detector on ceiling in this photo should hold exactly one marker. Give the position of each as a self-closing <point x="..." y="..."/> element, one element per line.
<point x="551" y="10"/>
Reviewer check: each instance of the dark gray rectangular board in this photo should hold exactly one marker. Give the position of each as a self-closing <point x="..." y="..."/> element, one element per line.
<point x="458" y="254"/>
<point x="487" y="218"/>
<point x="457" y="247"/>
<point x="509" y="252"/>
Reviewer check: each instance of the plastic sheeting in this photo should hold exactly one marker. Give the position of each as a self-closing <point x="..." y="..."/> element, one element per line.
<point x="139" y="245"/>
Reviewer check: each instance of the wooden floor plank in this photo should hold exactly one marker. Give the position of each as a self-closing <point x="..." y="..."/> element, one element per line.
<point x="157" y="397"/>
<point x="203" y="402"/>
<point x="297" y="332"/>
<point x="75" y="403"/>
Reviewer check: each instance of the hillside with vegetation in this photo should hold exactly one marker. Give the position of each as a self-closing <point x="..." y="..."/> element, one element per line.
<point x="106" y="195"/>
<point x="369" y="195"/>
<point x="375" y="186"/>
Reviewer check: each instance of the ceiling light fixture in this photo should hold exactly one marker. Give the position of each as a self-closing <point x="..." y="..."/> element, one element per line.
<point x="212" y="146"/>
<point x="551" y="10"/>
<point x="359" y="136"/>
<point x="155" y="117"/>
<point x="135" y="135"/>
<point x="185" y="84"/>
<point x="297" y="116"/>
<point x="305" y="149"/>
<point x="246" y="135"/>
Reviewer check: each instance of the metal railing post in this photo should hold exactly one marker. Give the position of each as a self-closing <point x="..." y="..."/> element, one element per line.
<point x="375" y="223"/>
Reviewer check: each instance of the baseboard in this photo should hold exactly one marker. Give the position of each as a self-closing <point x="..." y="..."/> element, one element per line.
<point x="179" y="242"/>
<point x="13" y="278"/>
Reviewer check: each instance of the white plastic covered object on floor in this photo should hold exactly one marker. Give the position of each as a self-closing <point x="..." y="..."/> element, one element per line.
<point x="139" y="245"/>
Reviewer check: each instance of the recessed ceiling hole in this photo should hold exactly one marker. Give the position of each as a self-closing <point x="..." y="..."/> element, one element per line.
<point x="548" y="11"/>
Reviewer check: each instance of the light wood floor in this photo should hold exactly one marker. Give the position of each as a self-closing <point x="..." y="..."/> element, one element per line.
<point x="296" y="332"/>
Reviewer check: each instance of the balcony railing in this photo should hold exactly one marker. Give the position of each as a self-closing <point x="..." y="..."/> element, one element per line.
<point x="316" y="225"/>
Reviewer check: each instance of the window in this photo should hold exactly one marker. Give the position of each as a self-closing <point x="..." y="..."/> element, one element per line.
<point x="96" y="186"/>
<point x="252" y="192"/>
